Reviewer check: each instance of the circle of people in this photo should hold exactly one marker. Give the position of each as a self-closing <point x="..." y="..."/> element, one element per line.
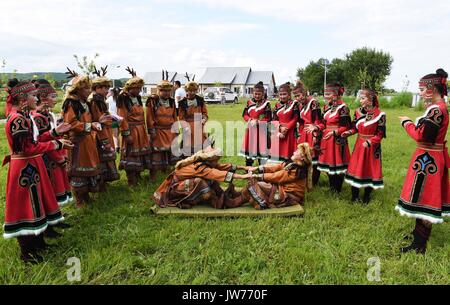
<point x="293" y="142"/>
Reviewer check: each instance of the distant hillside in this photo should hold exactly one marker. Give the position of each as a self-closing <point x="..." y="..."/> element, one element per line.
<point x="57" y="76"/>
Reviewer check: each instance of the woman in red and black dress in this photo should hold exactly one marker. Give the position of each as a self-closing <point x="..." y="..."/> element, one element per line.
<point x="55" y="161"/>
<point x="310" y="117"/>
<point x="364" y="168"/>
<point x="284" y="122"/>
<point x="334" y="151"/>
<point x="257" y="112"/>
<point x="426" y="191"/>
<point x="29" y="208"/>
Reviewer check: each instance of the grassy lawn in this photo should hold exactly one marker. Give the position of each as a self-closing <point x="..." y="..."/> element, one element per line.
<point x="119" y="242"/>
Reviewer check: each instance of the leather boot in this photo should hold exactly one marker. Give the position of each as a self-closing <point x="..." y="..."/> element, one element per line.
<point x="28" y="250"/>
<point x="421" y="234"/>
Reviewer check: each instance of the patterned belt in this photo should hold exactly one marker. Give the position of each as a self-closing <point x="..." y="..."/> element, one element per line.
<point x="136" y="123"/>
<point x="21" y="157"/>
<point x="430" y="147"/>
<point x="332" y="127"/>
<point x="365" y="136"/>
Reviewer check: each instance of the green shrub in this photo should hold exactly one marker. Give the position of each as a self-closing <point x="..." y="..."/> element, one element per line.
<point x="403" y="99"/>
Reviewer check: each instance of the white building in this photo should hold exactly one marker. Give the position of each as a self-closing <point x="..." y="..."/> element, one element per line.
<point x="239" y="79"/>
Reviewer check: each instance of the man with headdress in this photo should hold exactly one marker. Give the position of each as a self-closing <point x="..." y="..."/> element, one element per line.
<point x="193" y="116"/>
<point x="161" y="119"/>
<point x="196" y="179"/>
<point x="100" y="113"/>
<point x="283" y="184"/>
<point x="135" y="155"/>
<point x="84" y="163"/>
<point x="258" y="114"/>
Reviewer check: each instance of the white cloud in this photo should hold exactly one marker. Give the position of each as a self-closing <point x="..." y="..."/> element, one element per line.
<point x="140" y="34"/>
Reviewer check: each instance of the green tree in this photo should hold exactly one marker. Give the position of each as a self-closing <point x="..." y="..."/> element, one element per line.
<point x="367" y="68"/>
<point x="312" y="76"/>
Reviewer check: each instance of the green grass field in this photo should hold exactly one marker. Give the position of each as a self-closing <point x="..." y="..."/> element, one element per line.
<point x="119" y="242"/>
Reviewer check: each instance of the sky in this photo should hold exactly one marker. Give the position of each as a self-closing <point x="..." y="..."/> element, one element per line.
<point x="188" y="36"/>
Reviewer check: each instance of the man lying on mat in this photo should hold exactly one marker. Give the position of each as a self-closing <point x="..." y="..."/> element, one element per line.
<point x="281" y="185"/>
<point x="196" y="180"/>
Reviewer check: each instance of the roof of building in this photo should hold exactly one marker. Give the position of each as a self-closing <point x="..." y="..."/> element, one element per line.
<point x="225" y="75"/>
<point x="260" y="76"/>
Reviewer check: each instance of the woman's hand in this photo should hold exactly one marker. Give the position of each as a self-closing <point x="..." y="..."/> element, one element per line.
<point x="403" y="118"/>
<point x="310" y="128"/>
<point x="66" y="144"/>
<point x="63" y="128"/>
<point x="250" y="168"/>
<point x="96" y="126"/>
<point x="328" y="135"/>
<point x="105" y="118"/>
<point x="346" y="134"/>
<point x="367" y="143"/>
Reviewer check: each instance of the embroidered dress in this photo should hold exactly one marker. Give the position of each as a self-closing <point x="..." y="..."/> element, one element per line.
<point x="134" y="157"/>
<point x="284" y="115"/>
<point x="30" y="201"/>
<point x="426" y="190"/>
<point x="310" y="115"/>
<point x="161" y="116"/>
<point x="364" y="169"/>
<point x="256" y="141"/>
<point x="193" y="112"/>
<point x="334" y="152"/>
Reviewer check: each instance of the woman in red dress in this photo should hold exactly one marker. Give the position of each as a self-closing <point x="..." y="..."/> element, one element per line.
<point x="55" y="161"/>
<point x="310" y="117"/>
<point x="364" y="169"/>
<point x="334" y="151"/>
<point x="29" y="208"/>
<point x="284" y="121"/>
<point x="257" y="112"/>
<point x="426" y="191"/>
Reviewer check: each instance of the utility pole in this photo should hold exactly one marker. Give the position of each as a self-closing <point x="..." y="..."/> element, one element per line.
<point x="324" y="65"/>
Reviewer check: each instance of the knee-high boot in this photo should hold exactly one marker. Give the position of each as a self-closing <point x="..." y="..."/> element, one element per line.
<point x="421" y="234"/>
<point x="355" y="194"/>
<point x="28" y="249"/>
<point x="315" y="175"/>
<point x="367" y="193"/>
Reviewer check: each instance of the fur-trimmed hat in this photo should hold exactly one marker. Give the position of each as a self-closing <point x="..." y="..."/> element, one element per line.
<point x="134" y="81"/>
<point x="77" y="82"/>
<point x="206" y="154"/>
<point x="101" y="80"/>
<point x="165" y="85"/>
<point x="191" y="86"/>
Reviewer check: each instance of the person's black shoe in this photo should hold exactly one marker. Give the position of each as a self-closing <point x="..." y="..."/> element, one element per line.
<point x="63" y="225"/>
<point x="32" y="258"/>
<point x="51" y="233"/>
<point x="420" y="249"/>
